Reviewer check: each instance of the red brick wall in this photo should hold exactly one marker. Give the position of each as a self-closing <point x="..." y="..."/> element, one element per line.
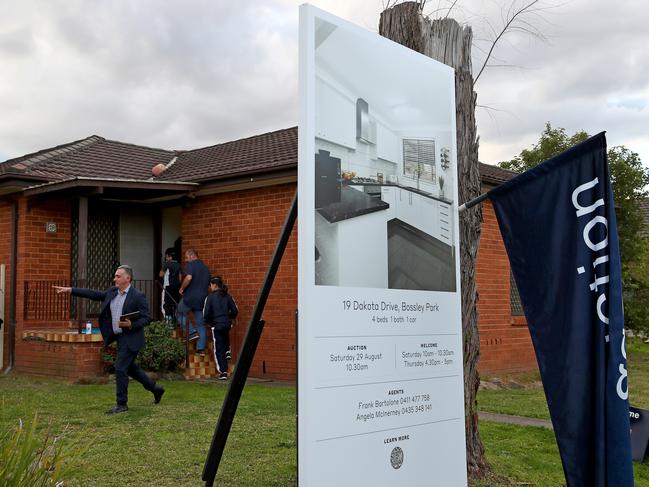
<point x="58" y="359"/>
<point x="45" y="256"/>
<point x="5" y="258"/>
<point x="505" y="343"/>
<point x="235" y="235"/>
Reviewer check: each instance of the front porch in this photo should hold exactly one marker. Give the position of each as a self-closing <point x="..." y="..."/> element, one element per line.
<point x="75" y="233"/>
<point x="53" y="342"/>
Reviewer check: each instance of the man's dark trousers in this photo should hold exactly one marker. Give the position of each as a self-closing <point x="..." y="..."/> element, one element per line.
<point x="124" y="366"/>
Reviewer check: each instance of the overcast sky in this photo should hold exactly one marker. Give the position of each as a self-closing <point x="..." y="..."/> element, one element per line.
<point x="186" y="74"/>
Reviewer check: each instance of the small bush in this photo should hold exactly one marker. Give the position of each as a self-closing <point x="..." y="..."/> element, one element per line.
<point x="108" y="356"/>
<point x="162" y="351"/>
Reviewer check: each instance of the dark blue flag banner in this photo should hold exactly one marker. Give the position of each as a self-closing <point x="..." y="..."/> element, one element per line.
<point x="558" y="224"/>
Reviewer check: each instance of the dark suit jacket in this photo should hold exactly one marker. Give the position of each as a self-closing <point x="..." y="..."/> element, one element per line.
<point x="133" y="338"/>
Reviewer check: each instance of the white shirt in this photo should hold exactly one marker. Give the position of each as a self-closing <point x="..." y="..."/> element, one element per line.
<point x="116" y="307"/>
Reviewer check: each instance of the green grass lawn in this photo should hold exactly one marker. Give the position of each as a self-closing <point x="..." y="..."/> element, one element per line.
<point x="529" y="455"/>
<point x="166" y="444"/>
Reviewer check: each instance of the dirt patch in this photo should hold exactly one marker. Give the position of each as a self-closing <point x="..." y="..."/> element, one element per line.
<point x="514" y="381"/>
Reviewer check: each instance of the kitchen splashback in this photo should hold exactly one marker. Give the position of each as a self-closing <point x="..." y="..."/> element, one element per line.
<point x="360" y="161"/>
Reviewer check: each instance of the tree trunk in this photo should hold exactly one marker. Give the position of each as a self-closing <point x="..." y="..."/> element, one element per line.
<point x="446" y="41"/>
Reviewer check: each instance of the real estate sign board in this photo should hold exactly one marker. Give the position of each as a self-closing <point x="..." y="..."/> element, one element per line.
<point x="380" y="386"/>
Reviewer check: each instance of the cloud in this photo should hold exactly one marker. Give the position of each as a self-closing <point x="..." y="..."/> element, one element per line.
<point x="590" y="75"/>
<point x="194" y="73"/>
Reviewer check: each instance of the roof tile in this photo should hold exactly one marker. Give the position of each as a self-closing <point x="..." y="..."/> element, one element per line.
<point x="269" y="151"/>
<point x="97" y="157"/>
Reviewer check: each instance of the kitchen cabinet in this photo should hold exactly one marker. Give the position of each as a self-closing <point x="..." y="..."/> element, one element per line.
<point x="445" y="226"/>
<point x="387" y="195"/>
<point x="426" y="210"/>
<point x="428" y="215"/>
<point x="405" y="211"/>
<point x="388" y="145"/>
<point x="335" y="115"/>
<point x="418" y="210"/>
<point x="340" y="263"/>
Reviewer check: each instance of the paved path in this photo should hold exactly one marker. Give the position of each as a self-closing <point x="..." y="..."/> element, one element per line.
<point x="519" y="420"/>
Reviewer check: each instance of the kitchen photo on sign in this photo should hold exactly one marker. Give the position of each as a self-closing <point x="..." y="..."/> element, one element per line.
<point x="384" y="168"/>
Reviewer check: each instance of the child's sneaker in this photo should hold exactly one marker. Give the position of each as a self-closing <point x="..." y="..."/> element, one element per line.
<point x="223" y="376"/>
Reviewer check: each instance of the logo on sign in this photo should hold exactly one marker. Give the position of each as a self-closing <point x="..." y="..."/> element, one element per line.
<point x="396" y="457"/>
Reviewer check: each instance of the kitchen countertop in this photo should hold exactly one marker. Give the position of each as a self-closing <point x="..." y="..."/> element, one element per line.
<point x="352" y="203"/>
<point x="409" y="188"/>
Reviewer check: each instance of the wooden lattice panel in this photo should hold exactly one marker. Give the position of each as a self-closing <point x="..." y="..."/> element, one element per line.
<point x="102" y="252"/>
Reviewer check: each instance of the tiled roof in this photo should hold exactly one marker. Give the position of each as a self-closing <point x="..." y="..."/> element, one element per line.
<point x="273" y="150"/>
<point x="93" y="156"/>
<point x="96" y="157"/>
<point x="495" y="175"/>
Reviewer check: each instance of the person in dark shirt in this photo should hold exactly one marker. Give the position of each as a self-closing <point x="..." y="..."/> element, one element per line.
<point x="170" y="272"/>
<point x="193" y="289"/>
<point x="219" y="311"/>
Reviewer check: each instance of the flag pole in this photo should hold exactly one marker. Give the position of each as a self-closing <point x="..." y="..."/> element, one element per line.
<point x="473" y="202"/>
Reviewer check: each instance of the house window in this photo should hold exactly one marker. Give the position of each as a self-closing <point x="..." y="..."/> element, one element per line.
<point x="514" y="297"/>
<point x="419" y="159"/>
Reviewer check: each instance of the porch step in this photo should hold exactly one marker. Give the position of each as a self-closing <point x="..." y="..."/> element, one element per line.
<point x="199" y="367"/>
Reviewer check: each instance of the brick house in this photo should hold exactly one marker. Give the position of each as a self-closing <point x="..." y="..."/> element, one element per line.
<point x="70" y="214"/>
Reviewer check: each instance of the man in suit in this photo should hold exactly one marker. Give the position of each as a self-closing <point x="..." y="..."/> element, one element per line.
<point x="117" y="301"/>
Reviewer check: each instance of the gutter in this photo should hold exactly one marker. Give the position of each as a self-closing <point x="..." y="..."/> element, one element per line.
<point x="251" y="180"/>
<point x="89" y="182"/>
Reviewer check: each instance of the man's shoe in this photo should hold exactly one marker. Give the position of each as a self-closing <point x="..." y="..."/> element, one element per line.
<point x="193" y="335"/>
<point x="223" y="376"/>
<point x="157" y="395"/>
<point x="117" y="408"/>
<point x="200" y="353"/>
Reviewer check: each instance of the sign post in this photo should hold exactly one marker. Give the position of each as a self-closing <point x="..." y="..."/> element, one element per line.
<point x="380" y="384"/>
<point x="639" y="419"/>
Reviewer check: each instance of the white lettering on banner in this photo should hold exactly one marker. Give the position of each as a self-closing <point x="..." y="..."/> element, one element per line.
<point x="623" y="393"/>
<point x="589" y="226"/>
<point x="601" y="280"/>
<point x="581" y="210"/>
<point x="600" y="303"/>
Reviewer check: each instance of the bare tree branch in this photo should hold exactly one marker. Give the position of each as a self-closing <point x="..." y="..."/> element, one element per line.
<point x="512" y="15"/>
<point x="389" y="4"/>
<point x="450" y="8"/>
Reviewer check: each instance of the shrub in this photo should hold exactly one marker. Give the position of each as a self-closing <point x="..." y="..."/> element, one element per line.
<point x="162" y="351"/>
<point x="28" y="460"/>
<point x="108" y="356"/>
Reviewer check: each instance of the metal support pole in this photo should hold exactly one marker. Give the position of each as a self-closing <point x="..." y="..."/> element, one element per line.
<point x="246" y="355"/>
<point x="82" y="258"/>
<point x="473" y="202"/>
